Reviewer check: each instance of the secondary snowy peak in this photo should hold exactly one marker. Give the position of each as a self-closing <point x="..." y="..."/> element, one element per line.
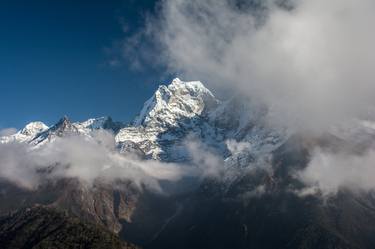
<point x="174" y="102"/>
<point x="37" y="133"/>
<point x="26" y="134"/>
<point x="105" y="123"/>
<point x="61" y="128"/>
<point x="64" y="127"/>
<point x="33" y="128"/>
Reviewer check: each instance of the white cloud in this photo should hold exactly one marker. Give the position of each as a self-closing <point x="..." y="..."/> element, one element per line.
<point x="329" y="172"/>
<point x="97" y="158"/>
<point x="236" y="147"/>
<point x="88" y="160"/>
<point x="312" y="65"/>
<point x="7" y="132"/>
<point x="205" y="161"/>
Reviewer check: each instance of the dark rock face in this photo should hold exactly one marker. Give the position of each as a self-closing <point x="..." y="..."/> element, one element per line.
<point x="275" y="217"/>
<point x="280" y="220"/>
<point x="104" y="204"/>
<point x="42" y="227"/>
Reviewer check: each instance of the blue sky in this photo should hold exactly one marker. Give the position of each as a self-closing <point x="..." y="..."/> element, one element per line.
<point x="53" y="61"/>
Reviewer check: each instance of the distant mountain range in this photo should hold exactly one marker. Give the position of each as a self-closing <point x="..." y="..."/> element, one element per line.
<point x="172" y="113"/>
<point x="254" y="203"/>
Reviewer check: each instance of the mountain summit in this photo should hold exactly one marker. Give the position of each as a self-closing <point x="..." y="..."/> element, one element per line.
<point x="179" y="100"/>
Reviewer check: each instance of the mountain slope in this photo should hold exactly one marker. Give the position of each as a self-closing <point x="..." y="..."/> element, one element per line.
<point x="261" y="209"/>
<point x="42" y="227"/>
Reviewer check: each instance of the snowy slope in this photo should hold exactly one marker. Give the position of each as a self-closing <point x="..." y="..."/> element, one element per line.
<point x="188" y="110"/>
<point x="173" y="112"/>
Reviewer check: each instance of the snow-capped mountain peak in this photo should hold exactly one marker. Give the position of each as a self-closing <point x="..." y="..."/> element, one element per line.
<point x="174" y="102"/>
<point x="26" y="134"/>
<point x="33" y="128"/>
<point x="37" y="133"/>
<point x="63" y="125"/>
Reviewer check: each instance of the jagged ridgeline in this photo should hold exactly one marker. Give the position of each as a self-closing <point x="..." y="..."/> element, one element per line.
<point x="246" y="194"/>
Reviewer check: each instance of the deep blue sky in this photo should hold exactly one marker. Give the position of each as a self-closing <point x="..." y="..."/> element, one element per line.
<point x="53" y="61"/>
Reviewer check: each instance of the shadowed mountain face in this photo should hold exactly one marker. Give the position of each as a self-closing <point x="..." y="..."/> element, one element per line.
<point x="41" y="227"/>
<point x="241" y="217"/>
<point x="260" y="209"/>
<point x="255" y="200"/>
<point x="99" y="204"/>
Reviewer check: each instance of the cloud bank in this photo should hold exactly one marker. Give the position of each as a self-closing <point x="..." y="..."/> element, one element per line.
<point x="311" y="63"/>
<point x="97" y="157"/>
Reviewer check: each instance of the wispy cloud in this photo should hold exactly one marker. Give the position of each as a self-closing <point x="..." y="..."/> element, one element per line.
<point x="78" y="157"/>
<point x="7" y="131"/>
<point x="97" y="158"/>
<point x="329" y="172"/>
